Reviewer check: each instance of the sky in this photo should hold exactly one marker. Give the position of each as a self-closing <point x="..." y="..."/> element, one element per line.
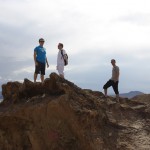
<point x="93" y="32"/>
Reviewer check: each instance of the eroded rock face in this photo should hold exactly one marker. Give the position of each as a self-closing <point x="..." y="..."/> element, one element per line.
<point x="15" y="91"/>
<point x="58" y="115"/>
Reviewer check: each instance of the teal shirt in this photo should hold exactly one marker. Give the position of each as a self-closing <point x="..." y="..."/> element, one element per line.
<point x="40" y="54"/>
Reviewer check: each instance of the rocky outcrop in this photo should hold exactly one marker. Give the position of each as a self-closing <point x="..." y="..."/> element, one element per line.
<point x="58" y="115"/>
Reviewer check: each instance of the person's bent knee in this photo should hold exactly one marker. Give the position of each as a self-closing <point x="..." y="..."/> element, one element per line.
<point x="107" y="85"/>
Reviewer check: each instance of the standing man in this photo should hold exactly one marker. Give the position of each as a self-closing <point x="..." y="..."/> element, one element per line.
<point x="40" y="60"/>
<point x="113" y="81"/>
<point x="60" y="60"/>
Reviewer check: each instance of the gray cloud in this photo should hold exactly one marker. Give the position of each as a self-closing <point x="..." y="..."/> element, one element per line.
<point x="90" y="38"/>
<point x="137" y="18"/>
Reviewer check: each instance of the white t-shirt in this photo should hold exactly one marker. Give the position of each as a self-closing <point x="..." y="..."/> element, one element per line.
<point x="60" y="60"/>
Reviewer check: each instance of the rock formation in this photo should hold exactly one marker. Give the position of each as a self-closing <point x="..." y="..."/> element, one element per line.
<point x="58" y="115"/>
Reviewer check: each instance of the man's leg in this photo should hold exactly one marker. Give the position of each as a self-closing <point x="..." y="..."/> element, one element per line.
<point x="35" y="77"/>
<point x="117" y="97"/>
<point x="42" y="78"/>
<point x="105" y="92"/>
<point x="106" y="86"/>
<point x="115" y="88"/>
<point x="42" y="72"/>
<point x="61" y="70"/>
<point x="37" y="67"/>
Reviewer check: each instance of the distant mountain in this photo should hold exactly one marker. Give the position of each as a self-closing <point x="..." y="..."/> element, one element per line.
<point x="131" y="94"/>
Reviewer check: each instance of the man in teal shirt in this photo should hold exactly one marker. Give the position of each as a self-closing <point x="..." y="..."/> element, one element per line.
<point x="40" y="60"/>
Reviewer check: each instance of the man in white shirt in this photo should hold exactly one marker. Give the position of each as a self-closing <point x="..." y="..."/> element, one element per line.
<point x="60" y="60"/>
<point x="113" y="81"/>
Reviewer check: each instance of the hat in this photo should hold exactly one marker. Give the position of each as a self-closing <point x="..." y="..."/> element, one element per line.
<point x="41" y="40"/>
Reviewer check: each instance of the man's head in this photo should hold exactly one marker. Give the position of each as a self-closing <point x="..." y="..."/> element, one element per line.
<point x="41" y="41"/>
<point x="113" y="62"/>
<point x="60" y="46"/>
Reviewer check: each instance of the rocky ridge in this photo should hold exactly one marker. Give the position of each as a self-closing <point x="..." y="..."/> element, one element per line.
<point x="58" y="115"/>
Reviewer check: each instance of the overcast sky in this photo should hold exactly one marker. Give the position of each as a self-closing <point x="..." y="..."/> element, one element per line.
<point x="93" y="32"/>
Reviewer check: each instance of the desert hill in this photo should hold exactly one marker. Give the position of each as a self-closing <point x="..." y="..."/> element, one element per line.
<point x="131" y="94"/>
<point x="58" y="115"/>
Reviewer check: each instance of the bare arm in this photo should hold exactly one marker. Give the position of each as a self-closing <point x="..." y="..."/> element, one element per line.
<point x="115" y="73"/>
<point x="35" y="58"/>
<point x="117" y="76"/>
<point x="47" y="62"/>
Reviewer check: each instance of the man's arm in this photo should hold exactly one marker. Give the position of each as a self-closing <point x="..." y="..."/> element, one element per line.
<point x="117" y="75"/>
<point x="47" y="62"/>
<point x="35" y="58"/>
